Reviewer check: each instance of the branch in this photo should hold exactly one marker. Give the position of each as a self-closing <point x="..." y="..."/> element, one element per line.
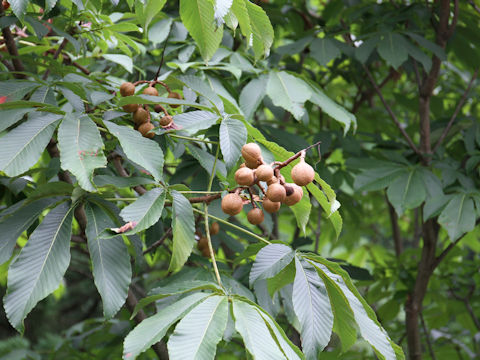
<point x="427" y="337"/>
<point x="117" y="162"/>
<point x="159" y="242"/>
<point x="12" y="50"/>
<point x="457" y="110"/>
<point x="55" y="56"/>
<point x="390" y="112"/>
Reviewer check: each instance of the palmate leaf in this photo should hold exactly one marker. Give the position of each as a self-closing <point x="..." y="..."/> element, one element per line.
<point x="110" y="259"/>
<point x="196" y="336"/>
<point x="195" y="121"/>
<point x="364" y="316"/>
<point x="23" y="146"/>
<point x="81" y="148"/>
<point x="145" y="211"/>
<point x="39" y="268"/>
<point x="14" y="225"/>
<point x="183" y="225"/>
<point x="153" y="329"/>
<point x="288" y="92"/>
<point x="233" y="135"/>
<point x="198" y="16"/>
<point x="312" y="307"/>
<point x="407" y="191"/>
<point x="458" y="217"/>
<point x="255" y="332"/>
<point x="270" y="261"/>
<point x="140" y="150"/>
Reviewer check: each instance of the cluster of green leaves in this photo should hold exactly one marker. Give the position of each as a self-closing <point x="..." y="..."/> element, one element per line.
<point x="63" y="138"/>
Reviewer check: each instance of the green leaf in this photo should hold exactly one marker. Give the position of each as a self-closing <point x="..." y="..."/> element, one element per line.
<point x="152" y="100"/>
<point x="194" y="121"/>
<point x="312" y="307"/>
<point x="39" y="268"/>
<point x="370" y="328"/>
<point x="233" y="135"/>
<point x="17" y="222"/>
<point x="288" y="92"/>
<point x="344" y="321"/>
<point x="198" y="18"/>
<point x="22" y="147"/>
<point x="379" y="176"/>
<point x="140" y="150"/>
<point x="16" y="89"/>
<point x="270" y="261"/>
<point x="302" y="211"/>
<point x="324" y="50"/>
<point x="110" y="261"/>
<point x="207" y="160"/>
<point x="122" y="60"/>
<point x="183" y="225"/>
<point x="10" y="117"/>
<point x="121" y="182"/>
<point x="145" y="211"/>
<point x="81" y="148"/>
<point x="202" y="88"/>
<point x="159" y="31"/>
<point x="222" y="7"/>
<point x="392" y="47"/>
<point x="153" y="329"/>
<point x="252" y="95"/>
<point x="332" y="109"/>
<point x="196" y="336"/>
<point x="458" y="217"/>
<point x="19" y="7"/>
<point x="255" y="332"/>
<point x="407" y="191"/>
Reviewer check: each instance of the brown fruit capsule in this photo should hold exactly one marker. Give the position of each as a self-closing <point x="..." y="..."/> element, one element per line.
<point x="158" y="108"/>
<point x="252" y="165"/>
<point x="295" y="196"/>
<point x="232" y="204"/>
<point x="127" y="89"/>
<point x="145" y="128"/>
<point x="273" y="180"/>
<point x="255" y="216"/>
<point x="206" y="252"/>
<point x="130" y="108"/>
<point x="242" y="165"/>
<point x="276" y="192"/>
<point x="264" y="172"/>
<point x="174" y="95"/>
<point x="271" y="206"/>
<point x="150" y="91"/>
<point x="302" y="173"/>
<point x="166" y="120"/>
<point x="140" y="116"/>
<point x="244" y="176"/>
<point x="214" y="228"/>
<point x="252" y="153"/>
<point x="202" y="243"/>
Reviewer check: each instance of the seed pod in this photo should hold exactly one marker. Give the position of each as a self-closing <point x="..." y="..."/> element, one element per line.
<point x="288" y="189"/>
<point x="273" y="180"/>
<point x="252" y="165"/>
<point x="206" y="252"/>
<point x="127" y="89"/>
<point x="242" y="165"/>
<point x="202" y="243"/>
<point x="264" y="172"/>
<point x="145" y="128"/>
<point x="166" y="120"/>
<point x="140" y="116"/>
<point x="174" y="95"/>
<point x="214" y="228"/>
<point x="302" y="173"/>
<point x="244" y="176"/>
<point x="276" y="192"/>
<point x="255" y="216"/>
<point x="271" y="206"/>
<point x="232" y="204"/>
<point x="295" y="196"/>
<point x="150" y="91"/>
<point x="158" y="108"/>
<point x="252" y="153"/>
<point x="130" y="108"/>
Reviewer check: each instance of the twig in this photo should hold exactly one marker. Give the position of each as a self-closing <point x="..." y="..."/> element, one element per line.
<point x="12" y="50"/>
<point x="55" y="56"/>
<point x="390" y="112"/>
<point x="297" y="155"/>
<point x="158" y="242"/>
<point x="117" y="162"/>
<point x="163" y="54"/>
<point x="427" y="337"/>
<point x="457" y="110"/>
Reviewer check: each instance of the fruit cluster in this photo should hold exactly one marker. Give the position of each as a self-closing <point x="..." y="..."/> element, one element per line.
<point x="278" y="192"/>
<point x="141" y="113"/>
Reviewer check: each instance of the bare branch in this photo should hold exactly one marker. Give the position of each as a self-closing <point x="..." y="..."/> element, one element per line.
<point x="457" y="110"/>
<point x="158" y="242"/>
